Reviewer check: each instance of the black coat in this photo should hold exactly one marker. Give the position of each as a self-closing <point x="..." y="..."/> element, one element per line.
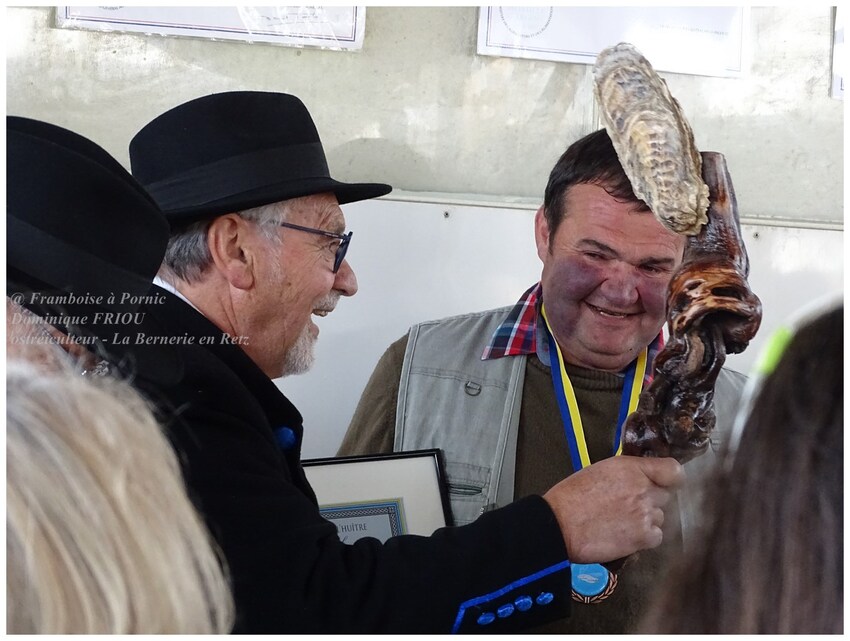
<point x="290" y="571"/>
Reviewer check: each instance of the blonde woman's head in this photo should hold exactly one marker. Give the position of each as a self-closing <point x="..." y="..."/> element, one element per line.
<point x="100" y="534"/>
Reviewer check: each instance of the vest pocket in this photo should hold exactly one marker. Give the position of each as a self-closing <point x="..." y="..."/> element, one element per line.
<point x="466" y="479"/>
<point x="468" y="487"/>
<point x="462" y="489"/>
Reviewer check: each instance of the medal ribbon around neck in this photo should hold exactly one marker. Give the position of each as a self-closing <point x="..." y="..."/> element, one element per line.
<point x="591" y="583"/>
<point x="568" y="404"/>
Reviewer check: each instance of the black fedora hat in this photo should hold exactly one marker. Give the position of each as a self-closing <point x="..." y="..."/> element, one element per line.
<point x="84" y="241"/>
<point x="232" y="151"/>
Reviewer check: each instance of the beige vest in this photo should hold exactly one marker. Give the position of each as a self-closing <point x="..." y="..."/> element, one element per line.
<point x="450" y="399"/>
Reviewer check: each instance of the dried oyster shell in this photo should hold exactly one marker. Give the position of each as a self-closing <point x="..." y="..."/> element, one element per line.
<point x="653" y="140"/>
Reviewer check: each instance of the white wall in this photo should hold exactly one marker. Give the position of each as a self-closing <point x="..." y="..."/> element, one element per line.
<point x="417" y="108"/>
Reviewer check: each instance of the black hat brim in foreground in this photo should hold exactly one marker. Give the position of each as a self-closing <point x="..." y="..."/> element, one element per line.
<point x="83" y="241"/>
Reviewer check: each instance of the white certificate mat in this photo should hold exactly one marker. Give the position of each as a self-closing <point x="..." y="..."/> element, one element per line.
<point x="696" y="40"/>
<point x="316" y="26"/>
<point x="381" y="495"/>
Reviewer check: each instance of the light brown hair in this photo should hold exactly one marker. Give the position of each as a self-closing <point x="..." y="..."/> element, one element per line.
<point x="770" y="560"/>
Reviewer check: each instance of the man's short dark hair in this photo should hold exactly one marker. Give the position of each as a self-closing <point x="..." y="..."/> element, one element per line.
<point x="590" y="160"/>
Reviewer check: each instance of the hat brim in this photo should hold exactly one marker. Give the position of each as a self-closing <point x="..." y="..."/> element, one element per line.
<point x="344" y="192"/>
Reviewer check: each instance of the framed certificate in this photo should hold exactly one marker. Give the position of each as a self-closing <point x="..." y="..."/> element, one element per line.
<point x="381" y="495"/>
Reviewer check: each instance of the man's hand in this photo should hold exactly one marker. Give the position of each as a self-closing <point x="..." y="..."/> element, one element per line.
<point x="613" y="508"/>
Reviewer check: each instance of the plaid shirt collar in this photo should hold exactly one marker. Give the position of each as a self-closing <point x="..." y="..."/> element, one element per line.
<point x="518" y="334"/>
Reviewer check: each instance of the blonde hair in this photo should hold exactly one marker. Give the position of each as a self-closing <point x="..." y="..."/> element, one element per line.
<point x="100" y="534"/>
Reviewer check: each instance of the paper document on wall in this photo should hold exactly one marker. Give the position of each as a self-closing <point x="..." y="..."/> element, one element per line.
<point x="706" y="41"/>
<point x="314" y="26"/>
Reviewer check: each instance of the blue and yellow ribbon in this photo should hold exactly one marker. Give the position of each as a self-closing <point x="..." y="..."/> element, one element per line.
<point x="568" y="404"/>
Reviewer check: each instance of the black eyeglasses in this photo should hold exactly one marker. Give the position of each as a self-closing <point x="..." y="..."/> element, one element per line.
<point x="343" y="239"/>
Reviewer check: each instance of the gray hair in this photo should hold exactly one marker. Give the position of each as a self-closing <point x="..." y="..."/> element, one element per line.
<point x="188" y="256"/>
<point x="100" y="534"/>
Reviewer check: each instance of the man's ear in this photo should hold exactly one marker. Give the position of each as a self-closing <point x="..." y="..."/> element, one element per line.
<point x="541" y="233"/>
<point x="229" y="242"/>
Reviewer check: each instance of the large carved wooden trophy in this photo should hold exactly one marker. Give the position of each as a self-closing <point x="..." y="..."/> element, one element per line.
<point x="711" y="310"/>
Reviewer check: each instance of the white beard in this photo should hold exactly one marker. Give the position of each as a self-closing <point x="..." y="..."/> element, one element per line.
<point x="301" y="355"/>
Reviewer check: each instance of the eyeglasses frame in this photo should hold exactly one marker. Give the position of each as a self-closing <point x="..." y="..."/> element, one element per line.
<point x="344" y="239"/>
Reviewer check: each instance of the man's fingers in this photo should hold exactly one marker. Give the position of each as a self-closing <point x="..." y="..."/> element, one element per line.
<point x="653" y="538"/>
<point x="658" y="496"/>
<point x="614" y="508"/>
<point x="664" y="472"/>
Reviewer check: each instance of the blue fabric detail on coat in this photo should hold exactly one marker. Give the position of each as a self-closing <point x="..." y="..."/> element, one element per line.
<point x="511" y="586"/>
<point x="285" y="437"/>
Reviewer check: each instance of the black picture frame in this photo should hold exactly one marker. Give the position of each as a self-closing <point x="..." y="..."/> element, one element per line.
<point x="382" y="495"/>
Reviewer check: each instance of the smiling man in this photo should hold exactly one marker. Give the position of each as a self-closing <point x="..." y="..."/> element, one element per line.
<point x="232" y="267"/>
<point x="257" y="250"/>
<point x="483" y="388"/>
<point x="606" y="266"/>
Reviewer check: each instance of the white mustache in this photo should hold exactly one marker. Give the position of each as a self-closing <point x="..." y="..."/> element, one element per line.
<point x="327" y="303"/>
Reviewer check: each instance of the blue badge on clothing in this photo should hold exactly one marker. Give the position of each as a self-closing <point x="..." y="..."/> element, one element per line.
<point x="589" y="579"/>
